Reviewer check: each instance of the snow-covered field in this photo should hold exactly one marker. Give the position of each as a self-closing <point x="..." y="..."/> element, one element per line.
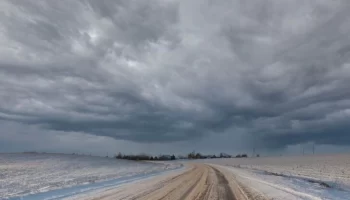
<point x="55" y="176"/>
<point x="294" y="177"/>
<point x="24" y="174"/>
<point x="328" y="168"/>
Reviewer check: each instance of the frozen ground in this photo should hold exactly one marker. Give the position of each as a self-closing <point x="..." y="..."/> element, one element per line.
<point x="329" y="168"/>
<point x="25" y="174"/>
<point x="299" y="177"/>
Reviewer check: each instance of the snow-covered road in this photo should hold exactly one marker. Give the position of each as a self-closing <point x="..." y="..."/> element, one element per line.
<point x="245" y="184"/>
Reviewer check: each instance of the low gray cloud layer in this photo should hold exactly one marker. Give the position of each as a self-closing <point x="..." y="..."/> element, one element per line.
<point x="277" y="72"/>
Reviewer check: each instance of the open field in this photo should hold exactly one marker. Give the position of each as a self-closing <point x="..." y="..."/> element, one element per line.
<point x="328" y="168"/>
<point x="294" y="177"/>
<point x="24" y="174"/>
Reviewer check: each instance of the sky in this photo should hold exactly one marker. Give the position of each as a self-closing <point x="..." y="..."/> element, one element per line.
<point x="174" y="76"/>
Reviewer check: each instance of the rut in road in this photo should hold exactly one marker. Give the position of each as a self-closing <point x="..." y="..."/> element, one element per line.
<point x="217" y="186"/>
<point x="224" y="189"/>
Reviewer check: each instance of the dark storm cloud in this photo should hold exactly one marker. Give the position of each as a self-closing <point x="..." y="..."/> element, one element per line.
<point x="168" y="70"/>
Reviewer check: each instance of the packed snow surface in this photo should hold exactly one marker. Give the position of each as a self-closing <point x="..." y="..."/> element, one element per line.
<point x="24" y="174"/>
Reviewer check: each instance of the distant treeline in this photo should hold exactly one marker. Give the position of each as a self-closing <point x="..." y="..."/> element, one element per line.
<point x="145" y="157"/>
<point x="192" y="155"/>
